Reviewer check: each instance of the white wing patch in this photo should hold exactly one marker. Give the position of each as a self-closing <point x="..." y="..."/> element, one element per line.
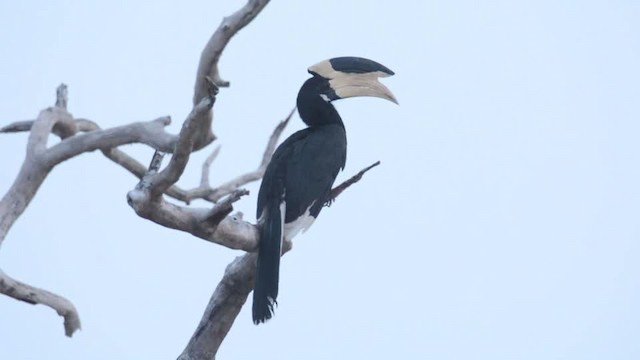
<point x="283" y="212"/>
<point x="300" y="224"/>
<point x="283" y="228"/>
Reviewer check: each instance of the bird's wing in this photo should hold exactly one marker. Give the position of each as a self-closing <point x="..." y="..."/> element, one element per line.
<point x="273" y="181"/>
<point x="312" y="169"/>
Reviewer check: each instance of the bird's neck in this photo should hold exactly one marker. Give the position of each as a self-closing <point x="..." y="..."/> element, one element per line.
<point x="319" y="113"/>
<point x="313" y="108"/>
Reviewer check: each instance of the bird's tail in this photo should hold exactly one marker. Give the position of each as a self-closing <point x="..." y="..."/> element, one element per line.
<point x="265" y="290"/>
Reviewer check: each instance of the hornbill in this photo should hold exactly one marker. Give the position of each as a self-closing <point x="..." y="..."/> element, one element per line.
<point x="297" y="181"/>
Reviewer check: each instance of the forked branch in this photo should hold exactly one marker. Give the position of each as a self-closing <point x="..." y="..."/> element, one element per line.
<point x="206" y="192"/>
<point x="212" y="225"/>
<point x="232" y="292"/>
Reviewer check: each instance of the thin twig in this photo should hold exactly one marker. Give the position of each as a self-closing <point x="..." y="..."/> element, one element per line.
<point x="217" y="193"/>
<point x="273" y="139"/>
<point x="206" y="167"/>
<point x="62" y="96"/>
<point x="225" y="207"/>
<point x="352" y="180"/>
<point x="18" y="126"/>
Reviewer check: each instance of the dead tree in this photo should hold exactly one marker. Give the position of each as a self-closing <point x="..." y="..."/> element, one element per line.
<point x="214" y="224"/>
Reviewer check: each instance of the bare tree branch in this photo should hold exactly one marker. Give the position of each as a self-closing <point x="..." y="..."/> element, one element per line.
<point x="208" y="65"/>
<point x="204" y="191"/>
<point x="33" y="172"/>
<point x="184" y="146"/>
<point x="215" y="194"/>
<point x="18" y="126"/>
<point x="211" y="225"/>
<point x="352" y="180"/>
<point x="206" y="168"/>
<point x="225" y="207"/>
<point x="117" y="156"/>
<point x="223" y="308"/>
<point x="33" y="295"/>
<point x="273" y="140"/>
<point x="151" y="133"/>
<point x="208" y="224"/>
<point x="76" y="126"/>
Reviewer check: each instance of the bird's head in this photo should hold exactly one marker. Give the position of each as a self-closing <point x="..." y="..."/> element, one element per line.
<point x="351" y="76"/>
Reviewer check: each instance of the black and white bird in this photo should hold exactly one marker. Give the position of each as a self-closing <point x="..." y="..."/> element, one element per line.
<point x="303" y="168"/>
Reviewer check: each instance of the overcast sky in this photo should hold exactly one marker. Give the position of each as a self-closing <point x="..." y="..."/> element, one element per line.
<point x="503" y="222"/>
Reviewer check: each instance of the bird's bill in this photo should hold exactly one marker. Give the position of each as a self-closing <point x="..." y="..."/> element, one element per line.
<point x="351" y="76"/>
<point x="348" y="85"/>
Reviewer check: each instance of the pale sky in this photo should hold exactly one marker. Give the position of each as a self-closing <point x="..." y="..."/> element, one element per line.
<point x="502" y="223"/>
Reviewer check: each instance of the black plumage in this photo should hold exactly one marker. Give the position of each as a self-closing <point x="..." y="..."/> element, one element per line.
<point x="304" y="167"/>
